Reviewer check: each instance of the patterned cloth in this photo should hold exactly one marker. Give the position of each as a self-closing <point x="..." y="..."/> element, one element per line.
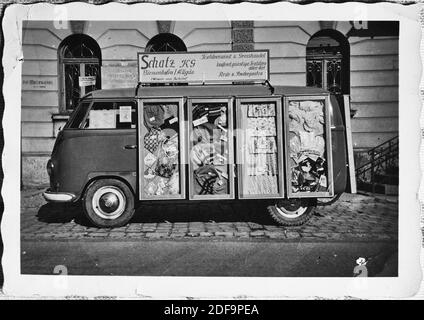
<point x="151" y="139"/>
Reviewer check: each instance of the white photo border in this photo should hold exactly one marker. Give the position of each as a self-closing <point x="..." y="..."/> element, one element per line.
<point x="409" y="272"/>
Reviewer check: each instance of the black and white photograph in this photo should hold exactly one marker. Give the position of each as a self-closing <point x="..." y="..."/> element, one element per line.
<point x="218" y="146"/>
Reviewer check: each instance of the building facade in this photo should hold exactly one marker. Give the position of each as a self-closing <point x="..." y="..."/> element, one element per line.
<point x="62" y="62"/>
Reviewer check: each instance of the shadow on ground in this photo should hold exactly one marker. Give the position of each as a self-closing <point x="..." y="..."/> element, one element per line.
<point x="246" y="211"/>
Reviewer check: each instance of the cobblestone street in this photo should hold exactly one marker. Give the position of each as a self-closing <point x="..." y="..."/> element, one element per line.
<point x="352" y="217"/>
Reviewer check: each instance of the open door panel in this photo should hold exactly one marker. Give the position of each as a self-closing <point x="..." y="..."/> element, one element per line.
<point x="309" y="164"/>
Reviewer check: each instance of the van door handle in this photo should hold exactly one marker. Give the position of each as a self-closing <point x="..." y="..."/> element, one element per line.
<point x="130" y="146"/>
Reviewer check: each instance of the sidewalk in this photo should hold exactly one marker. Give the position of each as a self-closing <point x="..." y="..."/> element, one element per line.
<point x="352" y="217"/>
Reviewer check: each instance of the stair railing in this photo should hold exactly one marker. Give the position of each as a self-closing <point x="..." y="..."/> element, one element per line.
<point x="382" y="157"/>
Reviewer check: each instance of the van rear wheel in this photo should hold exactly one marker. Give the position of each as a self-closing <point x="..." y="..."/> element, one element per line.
<point x="293" y="212"/>
<point x="108" y="203"/>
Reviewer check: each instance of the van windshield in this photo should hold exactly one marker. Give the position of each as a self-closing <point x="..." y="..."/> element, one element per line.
<point x="78" y="115"/>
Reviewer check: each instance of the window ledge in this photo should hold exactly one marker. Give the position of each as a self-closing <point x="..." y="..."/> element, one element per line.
<point x="59" y="121"/>
<point x="60" y="116"/>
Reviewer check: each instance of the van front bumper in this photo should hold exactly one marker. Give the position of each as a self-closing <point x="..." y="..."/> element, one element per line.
<point x="51" y="196"/>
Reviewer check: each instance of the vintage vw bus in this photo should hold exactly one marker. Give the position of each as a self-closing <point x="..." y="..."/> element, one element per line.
<point x="200" y="143"/>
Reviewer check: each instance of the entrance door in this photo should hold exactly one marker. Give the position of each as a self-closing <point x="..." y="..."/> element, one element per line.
<point x="161" y="149"/>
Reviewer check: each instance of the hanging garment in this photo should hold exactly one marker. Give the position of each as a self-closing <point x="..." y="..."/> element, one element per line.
<point x="222" y="119"/>
<point x="174" y="184"/>
<point x="170" y="123"/>
<point x="201" y="134"/>
<point x="208" y="180"/>
<point x="170" y="111"/>
<point x="202" y="153"/>
<point x="153" y="115"/>
<point x="199" y="111"/>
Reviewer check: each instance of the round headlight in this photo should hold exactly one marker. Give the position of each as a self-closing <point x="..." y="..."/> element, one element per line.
<point x="50" y="167"/>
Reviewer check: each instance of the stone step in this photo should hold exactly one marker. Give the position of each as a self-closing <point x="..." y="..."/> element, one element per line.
<point x="387" y="189"/>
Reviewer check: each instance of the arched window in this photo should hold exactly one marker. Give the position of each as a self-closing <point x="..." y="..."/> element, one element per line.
<point x="165" y="42"/>
<point x="79" y="65"/>
<point x="327" y="62"/>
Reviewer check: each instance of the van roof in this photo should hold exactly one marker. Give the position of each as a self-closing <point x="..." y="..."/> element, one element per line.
<point x="203" y="91"/>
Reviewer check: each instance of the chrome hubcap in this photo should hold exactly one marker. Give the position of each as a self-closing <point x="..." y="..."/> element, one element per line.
<point x="108" y="202"/>
<point x="291" y="210"/>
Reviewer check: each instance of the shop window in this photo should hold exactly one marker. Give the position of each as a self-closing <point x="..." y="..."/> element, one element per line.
<point x="327" y="62"/>
<point x="79" y="69"/>
<point x="165" y="42"/>
<point x="160" y="135"/>
<point x="111" y="115"/>
<point x="260" y="148"/>
<point x="211" y="149"/>
<point x="308" y="157"/>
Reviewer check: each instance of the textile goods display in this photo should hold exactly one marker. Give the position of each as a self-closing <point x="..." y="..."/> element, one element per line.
<point x="153" y="115"/>
<point x="161" y="150"/>
<point x="169" y="111"/>
<point x="152" y="139"/>
<point x="209" y="152"/>
<point x="261" y="184"/>
<point x="261" y="154"/>
<point x="307" y="147"/>
<point x="209" y="180"/>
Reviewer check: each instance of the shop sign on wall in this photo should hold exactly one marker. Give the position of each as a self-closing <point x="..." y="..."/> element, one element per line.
<point x="38" y="83"/>
<point x="203" y="67"/>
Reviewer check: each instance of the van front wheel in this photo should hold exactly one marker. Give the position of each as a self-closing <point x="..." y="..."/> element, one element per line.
<point x="108" y="203"/>
<point x="292" y="212"/>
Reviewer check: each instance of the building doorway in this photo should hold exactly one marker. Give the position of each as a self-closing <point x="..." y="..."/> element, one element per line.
<point x="327" y="62"/>
<point x="79" y="69"/>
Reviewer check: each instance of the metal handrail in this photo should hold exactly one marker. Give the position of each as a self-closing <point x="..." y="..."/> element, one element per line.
<point x="382" y="157"/>
<point x="382" y="144"/>
<point x="377" y="156"/>
<point x="363" y="169"/>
